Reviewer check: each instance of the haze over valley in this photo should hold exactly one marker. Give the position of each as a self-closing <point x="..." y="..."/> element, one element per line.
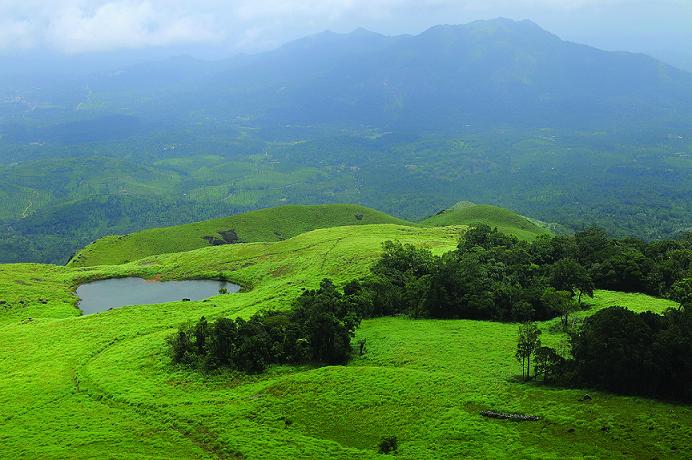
<point x="277" y="229"/>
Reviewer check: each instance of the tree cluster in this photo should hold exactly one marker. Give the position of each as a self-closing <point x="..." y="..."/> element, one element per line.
<point x="621" y="351"/>
<point x="494" y="276"/>
<point x="317" y="330"/>
<point x="490" y="276"/>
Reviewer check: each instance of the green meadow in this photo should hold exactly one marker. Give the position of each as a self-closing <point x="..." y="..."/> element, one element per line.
<point x="103" y="386"/>
<point x="274" y="224"/>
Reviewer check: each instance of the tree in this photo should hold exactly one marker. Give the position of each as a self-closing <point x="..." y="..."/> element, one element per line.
<point x="328" y="323"/>
<point x="486" y="237"/>
<point x="529" y="341"/>
<point x="548" y="363"/>
<point x="570" y="275"/>
<point x="614" y="350"/>
<point x="180" y="345"/>
<point x="560" y="301"/>
<point x="223" y="341"/>
<point x="681" y="292"/>
<point x="201" y="333"/>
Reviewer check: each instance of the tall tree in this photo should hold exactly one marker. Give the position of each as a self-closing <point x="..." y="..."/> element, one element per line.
<point x="529" y="341"/>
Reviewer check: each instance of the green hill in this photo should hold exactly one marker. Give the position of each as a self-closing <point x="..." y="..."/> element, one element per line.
<point x="275" y="224"/>
<point x="102" y="385"/>
<point x="272" y="224"/>
<point x="465" y="213"/>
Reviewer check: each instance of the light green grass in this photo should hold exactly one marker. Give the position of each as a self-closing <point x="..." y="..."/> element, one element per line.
<point x="506" y="221"/>
<point x="102" y="386"/>
<point x="283" y="222"/>
<point x="271" y="224"/>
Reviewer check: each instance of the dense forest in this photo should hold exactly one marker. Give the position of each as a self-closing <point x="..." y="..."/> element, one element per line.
<point x="52" y="206"/>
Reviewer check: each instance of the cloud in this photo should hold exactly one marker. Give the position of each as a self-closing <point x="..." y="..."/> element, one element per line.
<point x="78" y="26"/>
<point x="16" y="34"/>
<point x="125" y="24"/>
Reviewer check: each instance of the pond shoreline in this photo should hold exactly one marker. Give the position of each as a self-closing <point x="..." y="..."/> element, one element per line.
<point x="106" y="294"/>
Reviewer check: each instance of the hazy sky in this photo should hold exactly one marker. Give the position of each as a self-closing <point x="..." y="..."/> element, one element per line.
<point x="226" y="27"/>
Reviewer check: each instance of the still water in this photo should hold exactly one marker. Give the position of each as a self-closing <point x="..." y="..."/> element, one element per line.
<point x="118" y="292"/>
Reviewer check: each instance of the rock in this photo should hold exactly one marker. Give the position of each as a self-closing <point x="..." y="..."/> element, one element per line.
<point x="513" y="417"/>
<point x="585" y="398"/>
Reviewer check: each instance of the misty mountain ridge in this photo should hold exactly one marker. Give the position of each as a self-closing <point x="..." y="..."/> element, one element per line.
<point x="496" y="72"/>
<point x="490" y="72"/>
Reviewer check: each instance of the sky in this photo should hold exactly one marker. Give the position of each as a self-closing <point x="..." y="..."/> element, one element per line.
<point x="220" y="28"/>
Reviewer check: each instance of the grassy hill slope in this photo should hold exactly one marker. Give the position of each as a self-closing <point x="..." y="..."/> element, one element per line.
<point x="275" y="224"/>
<point x="103" y="386"/>
<point x="507" y="221"/>
<point x="272" y="224"/>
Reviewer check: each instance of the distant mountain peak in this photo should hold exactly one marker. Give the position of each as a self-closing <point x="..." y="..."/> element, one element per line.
<point x="363" y="32"/>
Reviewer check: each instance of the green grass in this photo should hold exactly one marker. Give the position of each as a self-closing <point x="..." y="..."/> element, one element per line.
<point x="274" y="224"/>
<point x="506" y="221"/>
<point x="103" y="386"/>
<point x="271" y="224"/>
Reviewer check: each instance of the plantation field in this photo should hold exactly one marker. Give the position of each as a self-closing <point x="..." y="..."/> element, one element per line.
<point x="103" y="386"/>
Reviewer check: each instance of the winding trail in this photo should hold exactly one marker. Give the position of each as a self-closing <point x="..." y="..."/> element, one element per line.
<point x="26" y="210"/>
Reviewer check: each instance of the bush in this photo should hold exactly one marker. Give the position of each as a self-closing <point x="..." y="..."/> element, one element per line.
<point x="389" y="445"/>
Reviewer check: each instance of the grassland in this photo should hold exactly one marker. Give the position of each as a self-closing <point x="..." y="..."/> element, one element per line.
<point x="465" y="213"/>
<point x="274" y="224"/>
<point x="102" y="386"/>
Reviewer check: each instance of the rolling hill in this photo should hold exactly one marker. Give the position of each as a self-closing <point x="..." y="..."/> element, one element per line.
<point x="102" y="385"/>
<point x="494" y="111"/>
<point x="274" y="224"/>
<point x="466" y="213"/>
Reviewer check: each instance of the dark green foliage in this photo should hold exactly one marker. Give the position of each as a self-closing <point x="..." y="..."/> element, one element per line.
<point x="389" y="445"/>
<point x="529" y="341"/>
<point x="560" y="301"/>
<point x="636" y="353"/>
<point x="569" y="275"/>
<point x="485" y="237"/>
<point x="626" y="352"/>
<point x="489" y="276"/>
<point x="494" y="276"/>
<point x="548" y="363"/>
<point x="681" y="291"/>
<point x="318" y="330"/>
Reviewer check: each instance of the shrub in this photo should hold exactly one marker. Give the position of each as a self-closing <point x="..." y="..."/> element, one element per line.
<point x="389" y="445"/>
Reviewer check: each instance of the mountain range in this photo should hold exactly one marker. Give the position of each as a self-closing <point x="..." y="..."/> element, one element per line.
<point x="494" y="72"/>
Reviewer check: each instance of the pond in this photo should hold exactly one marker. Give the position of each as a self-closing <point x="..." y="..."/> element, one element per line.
<point x="103" y="295"/>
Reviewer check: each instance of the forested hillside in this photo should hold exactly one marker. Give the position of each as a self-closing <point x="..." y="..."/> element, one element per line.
<point x="497" y="112"/>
